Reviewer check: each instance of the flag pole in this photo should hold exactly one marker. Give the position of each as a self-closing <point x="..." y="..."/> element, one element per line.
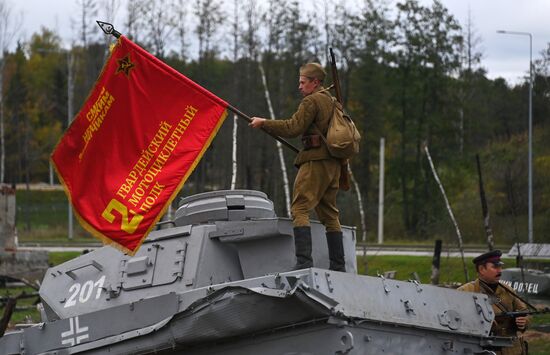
<point x="249" y="119"/>
<point x="110" y="30"/>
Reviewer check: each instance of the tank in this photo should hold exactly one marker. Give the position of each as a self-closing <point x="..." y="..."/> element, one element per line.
<point x="218" y="281"/>
<point x="531" y="283"/>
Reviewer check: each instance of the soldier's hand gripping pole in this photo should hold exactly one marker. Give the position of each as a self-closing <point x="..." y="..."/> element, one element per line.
<point x="110" y="30"/>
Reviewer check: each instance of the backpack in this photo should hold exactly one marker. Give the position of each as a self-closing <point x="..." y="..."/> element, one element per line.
<point x="342" y="138"/>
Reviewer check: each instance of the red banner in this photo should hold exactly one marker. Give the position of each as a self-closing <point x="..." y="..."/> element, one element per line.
<point x="136" y="140"/>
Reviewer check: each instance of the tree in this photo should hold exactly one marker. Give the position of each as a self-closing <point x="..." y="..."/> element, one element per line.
<point x="16" y="100"/>
<point x="210" y="16"/>
<point x="45" y="74"/>
<point x="9" y="26"/>
<point x="300" y="36"/>
<point x="467" y="90"/>
<point x="180" y="17"/>
<point x="87" y="12"/>
<point x="346" y="37"/>
<point x="362" y="39"/>
<point x="88" y="50"/>
<point x="160" y="22"/>
<point x="134" y="19"/>
<point x="427" y="42"/>
<point x="109" y="11"/>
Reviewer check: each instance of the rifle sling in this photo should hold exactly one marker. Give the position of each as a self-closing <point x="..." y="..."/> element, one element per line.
<point x="316" y="128"/>
<point x="490" y="292"/>
<point x="313" y="125"/>
<point x="518" y="297"/>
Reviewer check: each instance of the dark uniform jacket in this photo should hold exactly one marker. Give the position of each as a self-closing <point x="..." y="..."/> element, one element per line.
<point x="316" y="107"/>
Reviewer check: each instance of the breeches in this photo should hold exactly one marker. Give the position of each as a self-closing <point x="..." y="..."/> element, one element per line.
<point x="315" y="187"/>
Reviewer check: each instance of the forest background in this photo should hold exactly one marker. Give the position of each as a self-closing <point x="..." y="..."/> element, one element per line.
<point x="410" y="73"/>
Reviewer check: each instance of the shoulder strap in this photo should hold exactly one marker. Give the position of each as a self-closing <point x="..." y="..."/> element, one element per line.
<point x="325" y="89"/>
<point x="516" y="296"/>
<point x="490" y="292"/>
<point x="314" y="125"/>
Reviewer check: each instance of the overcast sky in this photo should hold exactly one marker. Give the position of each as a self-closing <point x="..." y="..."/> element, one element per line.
<point x="503" y="55"/>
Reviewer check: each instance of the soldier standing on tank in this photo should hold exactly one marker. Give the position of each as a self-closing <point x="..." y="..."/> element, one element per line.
<point x="503" y="299"/>
<point x="317" y="181"/>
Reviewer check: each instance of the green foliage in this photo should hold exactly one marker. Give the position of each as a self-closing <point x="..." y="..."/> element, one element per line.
<point x="538" y="346"/>
<point x="42" y="217"/>
<point x="409" y="73"/>
<point x="27" y="311"/>
<point x="56" y="258"/>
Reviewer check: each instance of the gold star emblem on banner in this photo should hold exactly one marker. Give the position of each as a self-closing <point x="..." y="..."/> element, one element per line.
<point x="125" y="65"/>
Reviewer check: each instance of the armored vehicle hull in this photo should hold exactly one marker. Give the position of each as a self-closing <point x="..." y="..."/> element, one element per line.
<point x="532" y="283"/>
<point x="218" y="282"/>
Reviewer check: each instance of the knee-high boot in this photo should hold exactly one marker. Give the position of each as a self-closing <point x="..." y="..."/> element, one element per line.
<point x="336" y="251"/>
<point x="302" y="243"/>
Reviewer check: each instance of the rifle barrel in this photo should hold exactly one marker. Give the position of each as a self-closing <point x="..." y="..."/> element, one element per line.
<point x="521" y="313"/>
<point x="335" y="77"/>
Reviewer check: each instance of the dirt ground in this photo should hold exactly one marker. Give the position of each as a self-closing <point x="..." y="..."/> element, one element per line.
<point x="535" y="335"/>
<point x="538" y="342"/>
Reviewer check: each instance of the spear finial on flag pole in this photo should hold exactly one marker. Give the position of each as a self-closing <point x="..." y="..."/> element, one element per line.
<point x="108" y="28"/>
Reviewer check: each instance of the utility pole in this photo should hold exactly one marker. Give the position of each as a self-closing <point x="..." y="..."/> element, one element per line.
<point x="381" y="193"/>
<point x="70" y="114"/>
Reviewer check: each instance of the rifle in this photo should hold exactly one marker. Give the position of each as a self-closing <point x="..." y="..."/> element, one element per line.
<point x="508" y="319"/>
<point x="517" y="314"/>
<point x="335" y="78"/>
<point x="344" y="172"/>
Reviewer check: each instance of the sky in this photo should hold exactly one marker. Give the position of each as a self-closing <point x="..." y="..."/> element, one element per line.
<point x="504" y="55"/>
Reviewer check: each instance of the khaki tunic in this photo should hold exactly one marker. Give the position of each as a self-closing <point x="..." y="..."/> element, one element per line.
<point x="316" y="183"/>
<point x="508" y="303"/>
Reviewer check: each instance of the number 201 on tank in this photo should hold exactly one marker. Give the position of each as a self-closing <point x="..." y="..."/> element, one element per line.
<point x="83" y="292"/>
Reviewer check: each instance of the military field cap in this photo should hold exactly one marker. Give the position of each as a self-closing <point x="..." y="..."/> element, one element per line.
<point x="489" y="257"/>
<point x="313" y="70"/>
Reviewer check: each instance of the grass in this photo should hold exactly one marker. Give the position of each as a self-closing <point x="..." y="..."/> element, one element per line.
<point x="451" y="269"/>
<point x="61" y="257"/>
<point x="26" y="310"/>
<point x="539" y="346"/>
<point x="42" y="216"/>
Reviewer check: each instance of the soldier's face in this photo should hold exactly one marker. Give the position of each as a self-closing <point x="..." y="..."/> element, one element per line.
<point x="307" y="85"/>
<point x="490" y="273"/>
